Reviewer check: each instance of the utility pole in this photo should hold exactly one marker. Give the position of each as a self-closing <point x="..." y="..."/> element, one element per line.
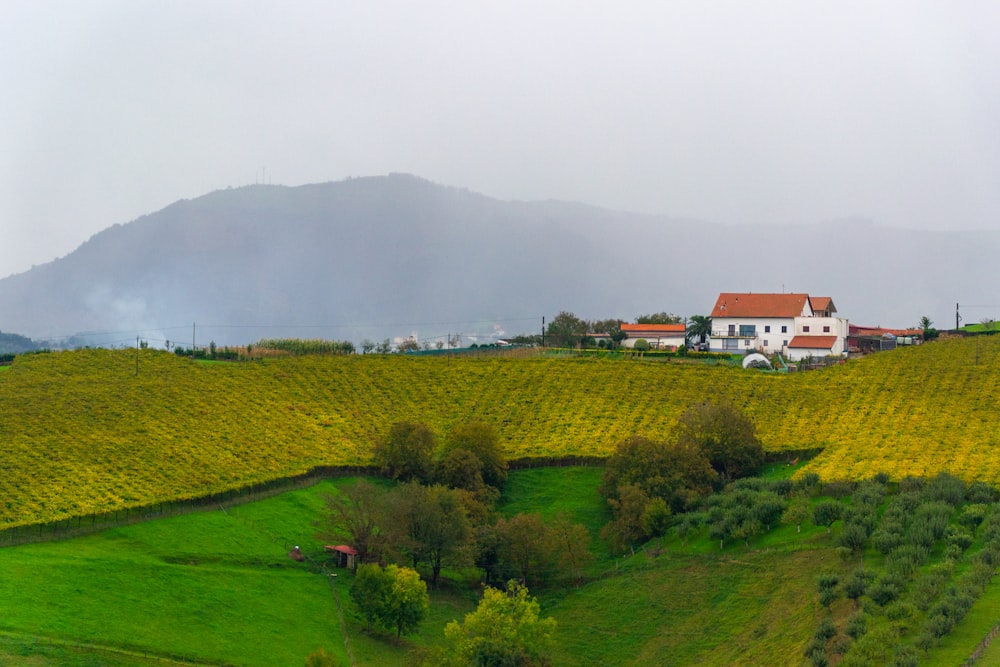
<point x="543" y="331"/>
<point x="194" y="327"/>
<point x="957" y="318"/>
<point x="137" y="356"/>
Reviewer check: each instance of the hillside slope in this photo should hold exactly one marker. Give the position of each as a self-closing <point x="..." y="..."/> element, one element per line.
<point x="84" y="432"/>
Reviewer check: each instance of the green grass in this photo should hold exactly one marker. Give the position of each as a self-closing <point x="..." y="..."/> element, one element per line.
<point x="217" y="587"/>
<point x="571" y="491"/>
<point x="204" y="587"/>
<point x="747" y="607"/>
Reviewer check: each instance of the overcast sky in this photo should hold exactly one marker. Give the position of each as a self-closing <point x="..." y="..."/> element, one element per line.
<point x="798" y="112"/>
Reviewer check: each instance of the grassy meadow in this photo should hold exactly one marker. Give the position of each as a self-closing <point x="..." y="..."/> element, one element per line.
<point x="92" y="431"/>
<point x="216" y="587"/>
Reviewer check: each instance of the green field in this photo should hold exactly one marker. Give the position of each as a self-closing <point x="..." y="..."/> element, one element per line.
<point x="217" y="587"/>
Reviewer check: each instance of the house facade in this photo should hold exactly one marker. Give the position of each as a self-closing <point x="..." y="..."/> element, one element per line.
<point x="793" y="325"/>
<point x="659" y="336"/>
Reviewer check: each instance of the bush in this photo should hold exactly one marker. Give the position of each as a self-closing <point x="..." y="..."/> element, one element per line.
<point x="726" y="436"/>
<point x="856" y="626"/>
<point x="944" y="488"/>
<point x="981" y="493"/>
<point x="826" y="630"/>
<point x="885" y="589"/>
<point x="856" y="586"/>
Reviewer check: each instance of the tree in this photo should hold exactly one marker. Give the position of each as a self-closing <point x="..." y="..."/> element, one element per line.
<point x="826" y="512"/>
<point x="525" y="545"/>
<point x="390" y="598"/>
<point x="611" y="327"/>
<point x="370" y="591"/>
<point x="699" y="330"/>
<point x="405" y="453"/>
<point x="627" y="528"/>
<point x="726" y="435"/>
<point x="926" y="325"/>
<point x="408" y="345"/>
<point x="504" y="630"/>
<point x="357" y="513"/>
<point x="797" y="512"/>
<point x="428" y="524"/>
<point x="367" y="345"/>
<point x="570" y="543"/>
<point x="565" y="330"/>
<point x="409" y="601"/>
<point x="461" y="469"/>
<point x="675" y="472"/>
<point x="659" y="318"/>
<point x="641" y="345"/>
<point x="482" y="440"/>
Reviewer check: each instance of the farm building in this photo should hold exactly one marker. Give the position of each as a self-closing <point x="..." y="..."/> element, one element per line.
<point x="865" y="340"/>
<point x="795" y="325"/>
<point x="343" y="554"/>
<point x="659" y="336"/>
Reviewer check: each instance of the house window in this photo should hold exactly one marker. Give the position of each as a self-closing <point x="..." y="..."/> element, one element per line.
<point x="748" y="330"/>
<point x="746" y="342"/>
<point x="786" y="343"/>
<point x="767" y="328"/>
<point x="732" y="329"/>
<point x="729" y="344"/>
<point x="805" y="329"/>
<point x="784" y="328"/>
<point x="826" y="328"/>
<point x="765" y="342"/>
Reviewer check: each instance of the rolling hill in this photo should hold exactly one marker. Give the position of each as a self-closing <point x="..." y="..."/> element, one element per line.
<point x="93" y="431"/>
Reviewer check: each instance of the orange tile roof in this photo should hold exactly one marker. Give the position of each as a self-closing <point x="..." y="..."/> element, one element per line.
<point x="813" y="342"/>
<point x="654" y="328"/>
<point x="759" y="305"/>
<point x="822" y="303"/>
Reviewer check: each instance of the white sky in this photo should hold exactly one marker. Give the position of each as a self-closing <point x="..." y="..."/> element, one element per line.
<point x="731" y="111"/>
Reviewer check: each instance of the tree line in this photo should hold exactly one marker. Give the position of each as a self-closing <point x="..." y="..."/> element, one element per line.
<point x="568" y="330"/>
<point x="440" y="514"/>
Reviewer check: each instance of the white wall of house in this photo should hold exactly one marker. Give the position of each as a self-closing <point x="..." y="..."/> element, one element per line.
<point x="656" y="342"/>
<point x="800" y="353"/>
<point x="771" y="335"/>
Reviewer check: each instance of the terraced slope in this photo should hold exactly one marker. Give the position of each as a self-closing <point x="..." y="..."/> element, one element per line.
<point x="84" y="432"/>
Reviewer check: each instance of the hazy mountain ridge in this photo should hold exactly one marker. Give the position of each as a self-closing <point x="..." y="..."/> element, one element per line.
<point x="389" y="256"/>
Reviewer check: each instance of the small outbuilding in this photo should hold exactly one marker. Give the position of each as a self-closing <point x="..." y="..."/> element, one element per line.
<point x="344" y="555"/>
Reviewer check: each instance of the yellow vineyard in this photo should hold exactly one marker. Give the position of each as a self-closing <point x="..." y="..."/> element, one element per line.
<point x="84" y="432"/>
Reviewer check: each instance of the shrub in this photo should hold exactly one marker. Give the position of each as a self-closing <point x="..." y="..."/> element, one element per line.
<point x="945" y="488"/>
<point x="885" y="589"/>
<point x="826" y="629"/>
<point x="856" y="626"/>
<point x="958" y="538"/>
<point x="981" y="492"/>
<point x="856" y="586"/>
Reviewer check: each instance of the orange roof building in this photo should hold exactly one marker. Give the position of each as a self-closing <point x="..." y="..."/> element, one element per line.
<point x="795" y="325"/>
<point x="659" y="336"/>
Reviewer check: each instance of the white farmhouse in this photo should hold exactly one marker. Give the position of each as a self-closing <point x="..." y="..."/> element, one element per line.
<point x="794" y="325"/>
<point x="659" y="336"/>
